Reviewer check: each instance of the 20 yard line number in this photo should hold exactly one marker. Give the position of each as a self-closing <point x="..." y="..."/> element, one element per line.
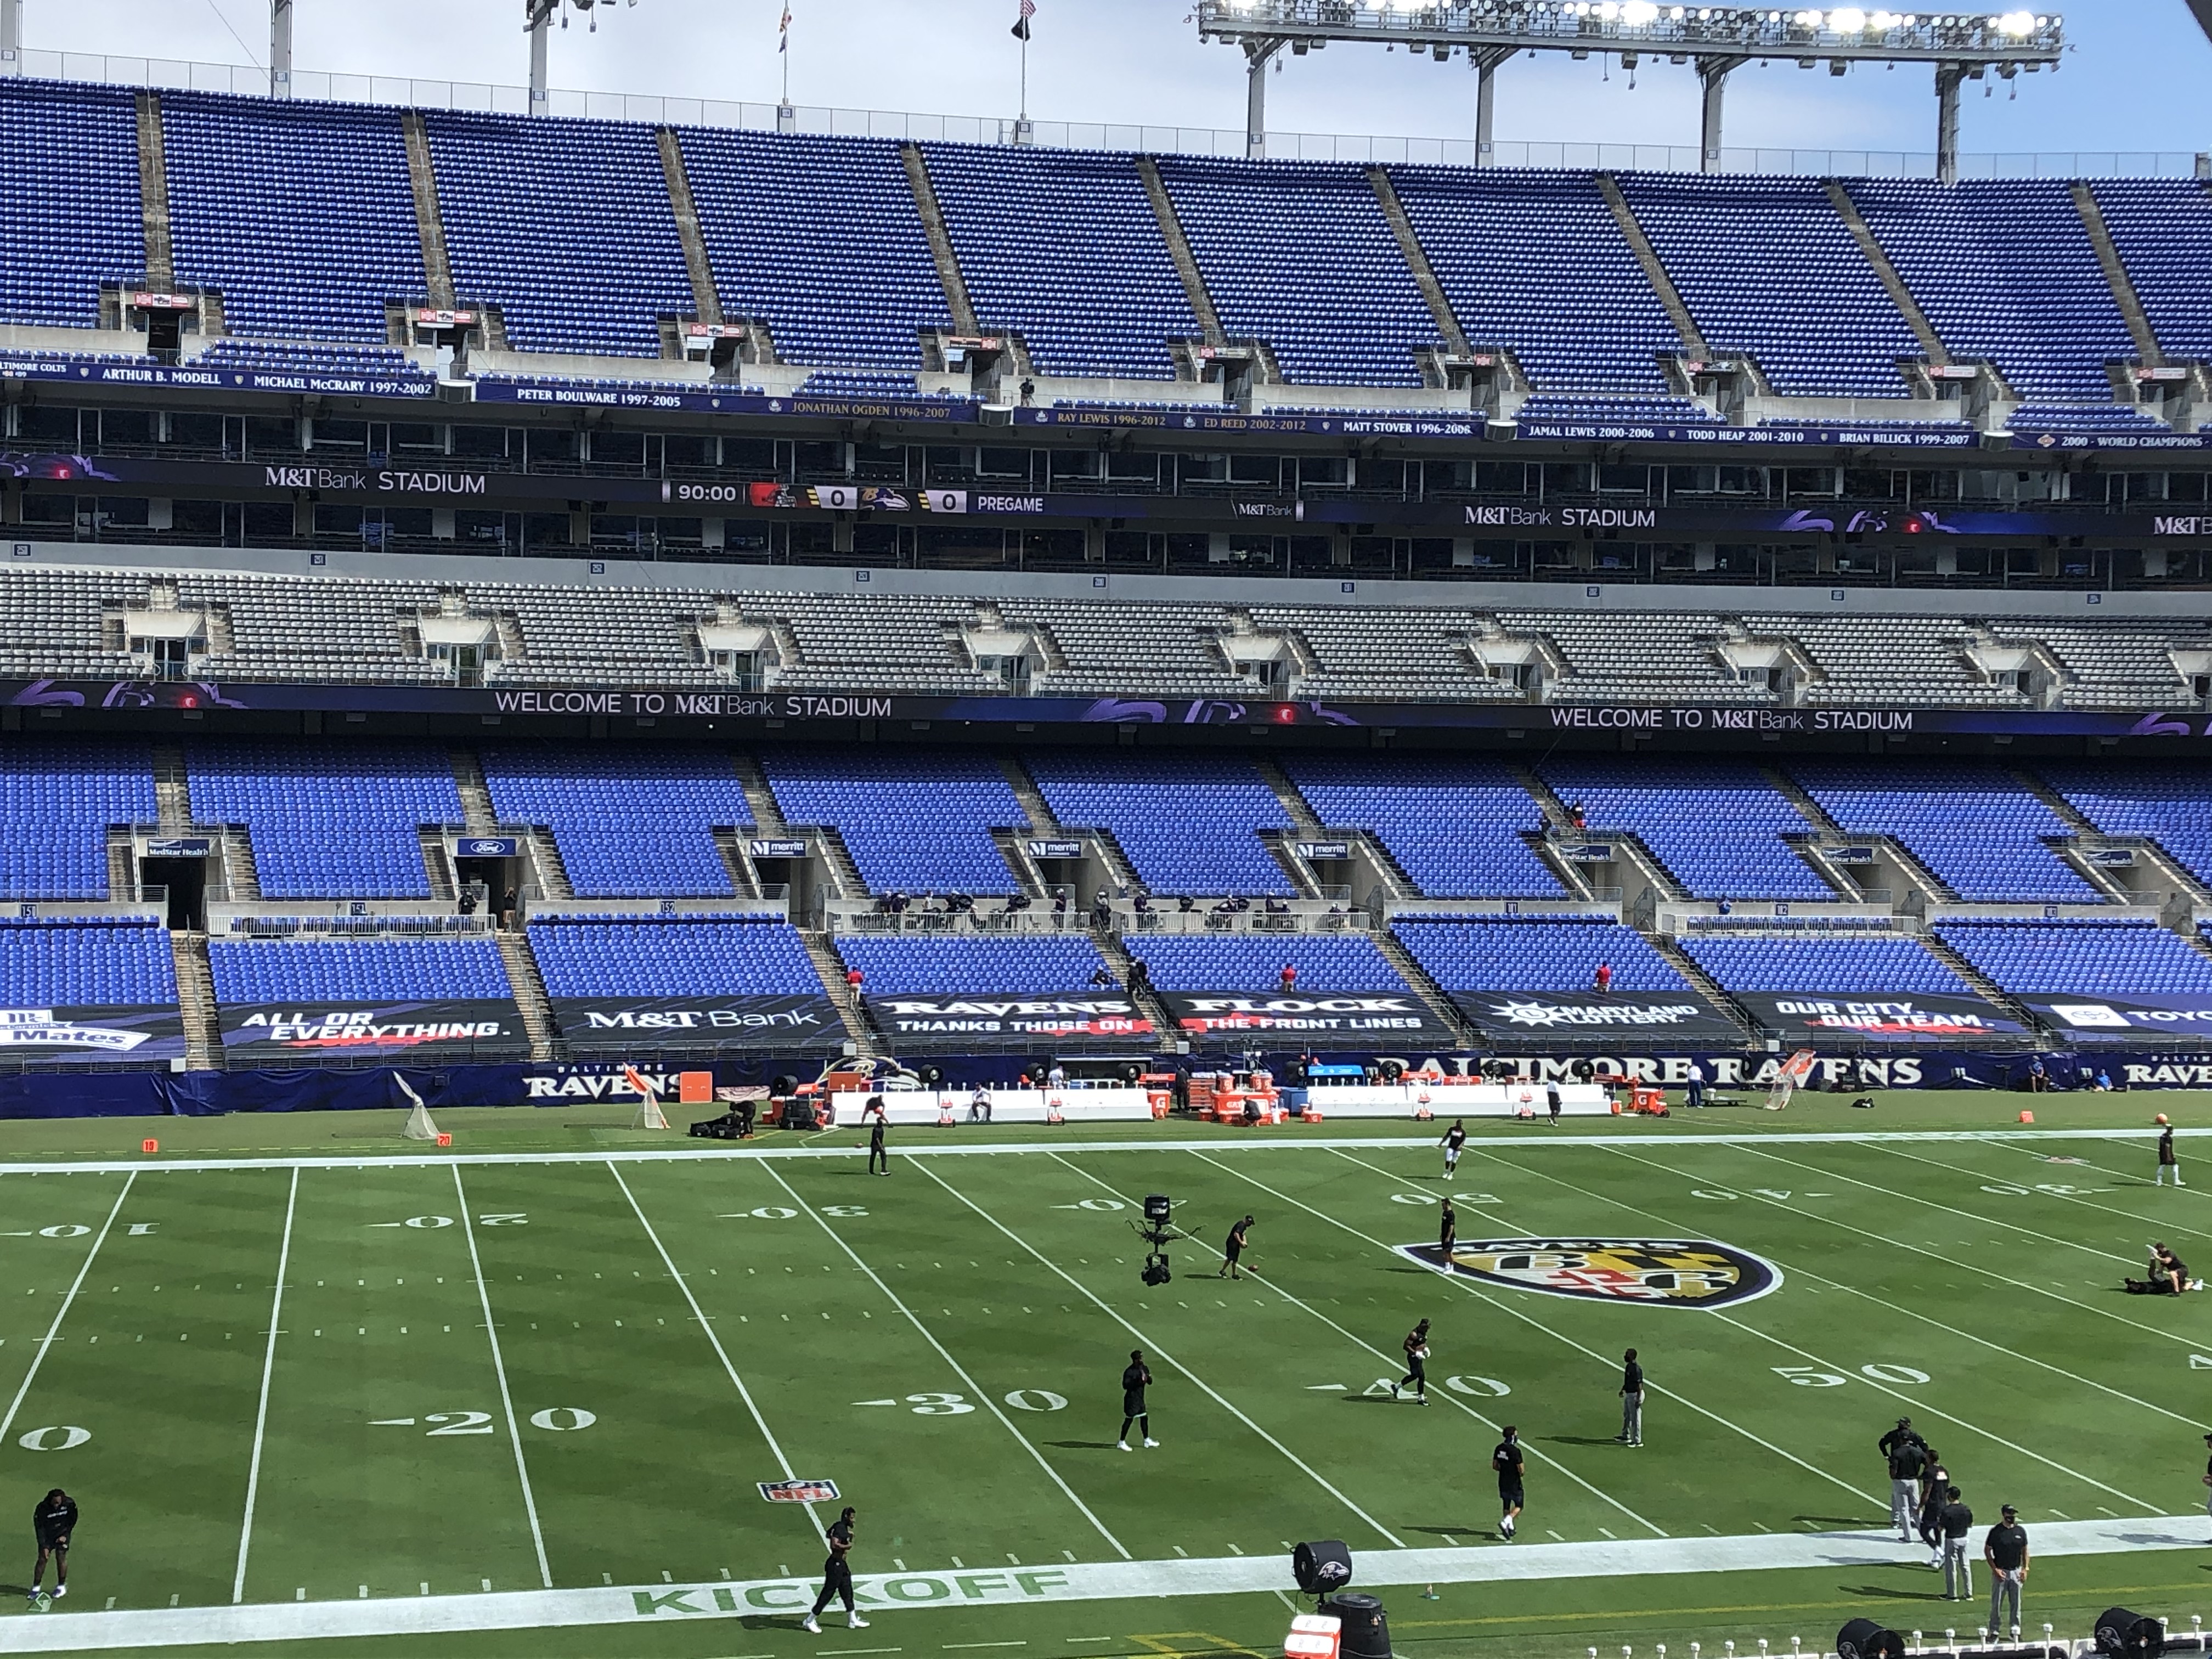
<point x="560" y="1420"/>
<point x="1812" y="1376"/>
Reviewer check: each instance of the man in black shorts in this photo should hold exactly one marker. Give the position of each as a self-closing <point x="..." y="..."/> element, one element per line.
<point x="53" y="1520"/>
<point x="1136" y="1377"/>
<point x="836" y="1574"/>
<point x="1234" y="1248"/>
<point x="1507" y="1461"/>
<point x="1416" y="1346"/>
<point x="878" y="1121"/>
<point x="1447" y="1234"/>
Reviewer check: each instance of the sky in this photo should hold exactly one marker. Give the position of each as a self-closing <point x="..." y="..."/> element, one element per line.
<point x="2136" y="76"/>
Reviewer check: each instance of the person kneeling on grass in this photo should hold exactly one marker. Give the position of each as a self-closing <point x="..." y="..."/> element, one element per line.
<point x="53" y="1520"/>
<point x="2169" y="1276"/>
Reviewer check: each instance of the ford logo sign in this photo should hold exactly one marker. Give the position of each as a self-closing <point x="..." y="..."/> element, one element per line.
<point x="482" y="847"/>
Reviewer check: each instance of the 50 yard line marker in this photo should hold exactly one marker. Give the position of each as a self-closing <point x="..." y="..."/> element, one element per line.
<point x="720" y="1353"/>
<point x="38" y="1359"/>
<point x="261" y="1412"/>
<point x="499" y="1366"/>
<point x="982" y="1393"/>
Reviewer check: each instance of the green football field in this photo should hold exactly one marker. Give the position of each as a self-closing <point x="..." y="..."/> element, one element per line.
<point x="374" y="1400"/>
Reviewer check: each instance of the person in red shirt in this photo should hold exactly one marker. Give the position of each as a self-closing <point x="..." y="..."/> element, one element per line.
<point x="853" y="980"/>
<point x="1289" y="980"/>
<point x="1604" y="977"/>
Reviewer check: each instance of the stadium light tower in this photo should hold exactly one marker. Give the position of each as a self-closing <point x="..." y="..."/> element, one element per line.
<point x="280" y="48"/>
<point x="537" y="22"/>
<point x="1716" y="39"/>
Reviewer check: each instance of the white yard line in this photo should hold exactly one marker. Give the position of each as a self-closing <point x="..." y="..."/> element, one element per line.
<point x="1918" y="1403"/>
<point x="8" y="1421"/>
<point x="1605" y="1360"/>
<point x="267" y="1370"/>
<point x="1962" y="1260"/>
<point x="776" y="1603"/>
<point x="2173" y="1227"/>
<point x="1256" y="1142"/>
<point x="1150" y="1347"/>
<point x="720" y="1353"/>
<point x="1445" y="1395"/>
<point x="1802" y="1272"/>
<point x="505" y="1398"/>
<point x="977" y="1389"/>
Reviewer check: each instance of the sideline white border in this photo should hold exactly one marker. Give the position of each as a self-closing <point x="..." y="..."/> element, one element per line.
<point x="291" y="1622"/>
<point x="848" y="1149"/>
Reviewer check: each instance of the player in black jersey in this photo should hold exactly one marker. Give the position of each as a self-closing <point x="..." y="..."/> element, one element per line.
<point x="1136" y="1377"/>
<point x="878" y="1121"/>
<point x="1416" y="1346"/>
<point x="837" y="1575"/>
<point x="1506" y="1460"/>
<point x="1447" y="1234"/>
<point x="1233" y="1248"/>
<point x="53" y="1520"/>
<point x="1454" y="1142"/>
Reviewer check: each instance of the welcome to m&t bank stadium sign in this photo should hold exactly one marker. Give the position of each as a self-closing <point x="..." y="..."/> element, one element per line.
<point x="832" y="707"/>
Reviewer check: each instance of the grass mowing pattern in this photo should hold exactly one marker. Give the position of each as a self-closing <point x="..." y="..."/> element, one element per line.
<point x="974" y="1294"/>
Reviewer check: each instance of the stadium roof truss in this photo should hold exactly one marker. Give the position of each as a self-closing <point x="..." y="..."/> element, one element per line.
<point x="1716" y="39"/>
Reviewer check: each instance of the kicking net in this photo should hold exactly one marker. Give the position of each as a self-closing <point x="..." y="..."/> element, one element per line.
<point x="1795" y="1071"/>
<point x="649" y="1115"/>
<point x="419" y="1125"/>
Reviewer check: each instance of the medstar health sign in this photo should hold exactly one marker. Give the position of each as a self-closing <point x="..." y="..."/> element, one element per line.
<point x="1670" y="1273"/>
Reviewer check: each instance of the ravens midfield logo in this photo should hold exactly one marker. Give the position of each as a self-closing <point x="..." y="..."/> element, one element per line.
<point x="1672" y="1273"/>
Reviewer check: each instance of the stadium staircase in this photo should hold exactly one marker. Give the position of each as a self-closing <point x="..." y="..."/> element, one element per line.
<point x="1932" y="887"/>
<point x="1442" y="1008"/>
<point x="1417" y="261"/>
<point x="122" y="862"/>
<point x="940" y="240"/>
<point x="2116" y="274"/>
<point x="1116" y="950"/>
<point x="1306" y="825"/>
<point x="154" y="195"/>
<point x="829" y="968"/>
<point x="1044" y="824"/>
<point x="1185" y="262"/>
<point x="1656" y="875"/>
<point x="706" y="299"/>
<point x="1648" y="257"/>
<point x="437" y="866"/>
<point x="429" y="221"/>
<point x="528" y="985"/>
<point x="196" y="1001"/>
<point x="1983" y="985"/>
<point x="844" y="877"/>
<point x="173" y="793"/>
<point x="2180" y="882"/>
<point x="1878" y="257"/>
<point x="1702" y="982"/>
<point x="729" y="841"/>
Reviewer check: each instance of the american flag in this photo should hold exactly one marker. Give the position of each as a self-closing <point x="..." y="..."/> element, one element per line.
<point x="1021" y="29"/>
<point x="783" y="31"/>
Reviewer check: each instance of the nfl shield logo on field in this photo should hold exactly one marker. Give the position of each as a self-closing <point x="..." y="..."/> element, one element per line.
<point x="1672" y="1273"/>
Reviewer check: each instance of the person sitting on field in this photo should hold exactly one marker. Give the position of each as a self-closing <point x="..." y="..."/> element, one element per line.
<point x="2169" y="1276"/>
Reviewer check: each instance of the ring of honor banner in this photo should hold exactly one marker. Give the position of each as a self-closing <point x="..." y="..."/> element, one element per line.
<point x="1353" y="1019"/>
<point x="101" y="1036"/>
<point x="2104" y="1020"/>
<point x="983" y="1021"/>
<point x="1899" y="1018"/>
<point x="280" y="1034"/>
<point x="638" y="1024"/>
<point x="1570" y="1016"/>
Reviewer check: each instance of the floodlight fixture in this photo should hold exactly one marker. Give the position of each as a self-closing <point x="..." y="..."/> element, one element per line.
<point x="537" y="22"/>
<point x="1715" y="39"/>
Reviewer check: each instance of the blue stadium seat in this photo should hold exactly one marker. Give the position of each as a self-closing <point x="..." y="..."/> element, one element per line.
<point x="633" y="824"/>
<point x="70" y="216"/>
<point x="85" y="964"/>
<point x="57" y="797"/>
<point x="1245" y="962"/>
<point x="914" y="820"/>
<point x="1031" y="965"/>
<point x="356" y="971"/>
<point x="1972" y="823"/>
<point x="327" y="820"/>
<point x="1827" y="967"/>
<point x="653" y="956"/>
<point x="2082" y="958"/>
<point x="1717" y="824"/>
<point x="1513" y="953"/>
<point x="1189" y="823"/>
<point x="1454" y="823"/>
